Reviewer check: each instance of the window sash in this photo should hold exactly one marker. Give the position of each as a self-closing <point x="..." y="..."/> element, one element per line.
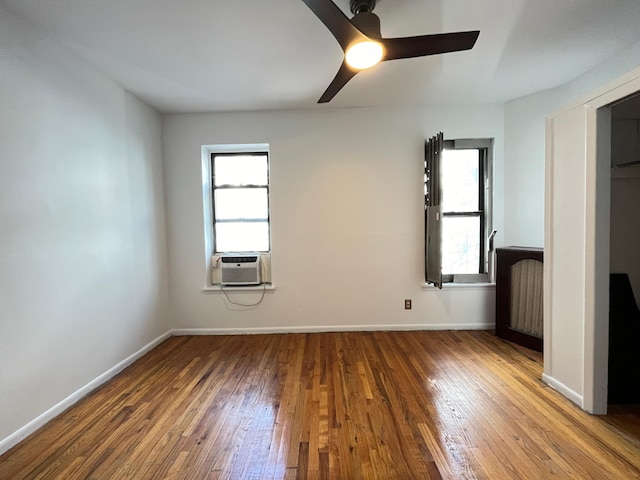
<point x="461" y="169"/>
<point x="480" y="266"/>
<point x="245" y="168"/>
<point x="242" y="236"/>
<point x="263" y="241"/>
<point x="241" y="203"/>
<point x="481" y="212"/>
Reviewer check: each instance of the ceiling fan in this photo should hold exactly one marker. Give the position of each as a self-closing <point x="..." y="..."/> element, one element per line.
<point x="364" y="47"/>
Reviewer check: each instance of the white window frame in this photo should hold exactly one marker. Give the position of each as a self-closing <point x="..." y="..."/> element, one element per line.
<point x="208" y="216"/>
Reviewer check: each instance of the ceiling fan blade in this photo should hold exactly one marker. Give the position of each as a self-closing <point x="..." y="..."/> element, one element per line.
<point x="423" y="45"/>
<point x="342" y="77"/>
<point x="336" y="21"/>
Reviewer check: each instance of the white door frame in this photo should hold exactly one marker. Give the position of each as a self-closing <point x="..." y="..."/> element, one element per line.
<point x="595" y="120"/>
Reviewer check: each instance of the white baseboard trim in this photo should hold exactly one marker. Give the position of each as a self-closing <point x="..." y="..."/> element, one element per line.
<point x="22" y="433"/>
<point x="329" y="328"/>
<point x="41" y="420"/>
<point x="564" y="390"/>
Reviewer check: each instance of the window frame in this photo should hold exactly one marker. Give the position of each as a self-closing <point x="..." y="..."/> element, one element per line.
<point x="485" y="211"/>
<point x="215" y="187"/>
<point x="210" y="258"/>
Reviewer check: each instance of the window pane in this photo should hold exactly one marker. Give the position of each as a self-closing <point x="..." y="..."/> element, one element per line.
<point x="460" y="245"/>
<point x="240" y="170"/>
<point x="236" y="203"/>
<point x="242" y="237"/>
<point x="459" y="170"/>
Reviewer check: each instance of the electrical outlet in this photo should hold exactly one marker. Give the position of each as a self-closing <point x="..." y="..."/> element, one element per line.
<point x="407" y="304"/>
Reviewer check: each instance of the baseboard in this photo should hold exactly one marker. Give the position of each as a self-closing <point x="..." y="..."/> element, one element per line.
<point x="329" y="328"/>
<point x="563" y="390"/>
<point x="38" y="422"/>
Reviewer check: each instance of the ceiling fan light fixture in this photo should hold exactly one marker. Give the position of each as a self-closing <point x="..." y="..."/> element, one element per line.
<point x="361" y="37"/>
<point x="363" y="55"/>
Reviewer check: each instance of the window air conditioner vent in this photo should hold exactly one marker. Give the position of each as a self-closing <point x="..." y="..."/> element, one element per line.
<point x="241" y="269"/>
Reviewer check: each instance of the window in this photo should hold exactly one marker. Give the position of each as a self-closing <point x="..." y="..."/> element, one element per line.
<point x="457" y="210"/>
<point x="240" y="201"/>
<point x="236" y="210"/>
<point x="463" y="211"/>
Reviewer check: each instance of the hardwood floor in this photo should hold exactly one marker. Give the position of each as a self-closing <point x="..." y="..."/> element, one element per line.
<point x="368" y="405"/>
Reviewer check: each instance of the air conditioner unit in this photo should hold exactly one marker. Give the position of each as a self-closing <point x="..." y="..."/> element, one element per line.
<point x="240" y="269"/>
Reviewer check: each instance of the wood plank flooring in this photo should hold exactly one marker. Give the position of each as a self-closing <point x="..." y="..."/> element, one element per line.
<point x="366" y="405"/>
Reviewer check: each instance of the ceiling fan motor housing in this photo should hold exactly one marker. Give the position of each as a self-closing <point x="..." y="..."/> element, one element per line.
<point x="368" y="23"/>
<point x="360" y="6"/>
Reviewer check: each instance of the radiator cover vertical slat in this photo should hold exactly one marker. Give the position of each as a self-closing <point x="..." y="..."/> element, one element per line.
<point x="526" y="297"/>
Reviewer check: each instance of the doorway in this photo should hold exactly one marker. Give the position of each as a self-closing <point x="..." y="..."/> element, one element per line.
<point x="577" y="244"/>
<point x="624" y="257"/>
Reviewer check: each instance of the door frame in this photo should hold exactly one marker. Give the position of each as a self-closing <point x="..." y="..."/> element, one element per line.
<point x="593" y="118"/>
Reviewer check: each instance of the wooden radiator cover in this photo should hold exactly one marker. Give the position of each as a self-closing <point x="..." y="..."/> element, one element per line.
<point x="519" y="300"/>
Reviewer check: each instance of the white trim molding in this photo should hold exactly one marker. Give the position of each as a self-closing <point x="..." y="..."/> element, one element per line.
<point x="35" y="424"/>
<point x="426" y="287"/>
<point x="563" y="390"/>
<point x="329" y="328"/>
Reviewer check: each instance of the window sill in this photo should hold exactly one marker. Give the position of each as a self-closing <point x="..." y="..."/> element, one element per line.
<point x="239" y="289"/>
<point x="460" y="286"/>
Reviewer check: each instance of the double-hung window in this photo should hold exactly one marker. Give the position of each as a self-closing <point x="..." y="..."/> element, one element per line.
<point x="458" y="210"/>
<point x="464" y="212"/>
<point x="240" y="200"/>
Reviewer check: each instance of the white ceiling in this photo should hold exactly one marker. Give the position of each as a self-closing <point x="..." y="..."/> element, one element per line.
<point x="228" y="55"/>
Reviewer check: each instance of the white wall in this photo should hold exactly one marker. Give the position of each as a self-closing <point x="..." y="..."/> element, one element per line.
<point x="347" y="218"/>
<point x="83" y="277"/>
<point x="524" y="147"/>
<point x="524" y="134"/>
